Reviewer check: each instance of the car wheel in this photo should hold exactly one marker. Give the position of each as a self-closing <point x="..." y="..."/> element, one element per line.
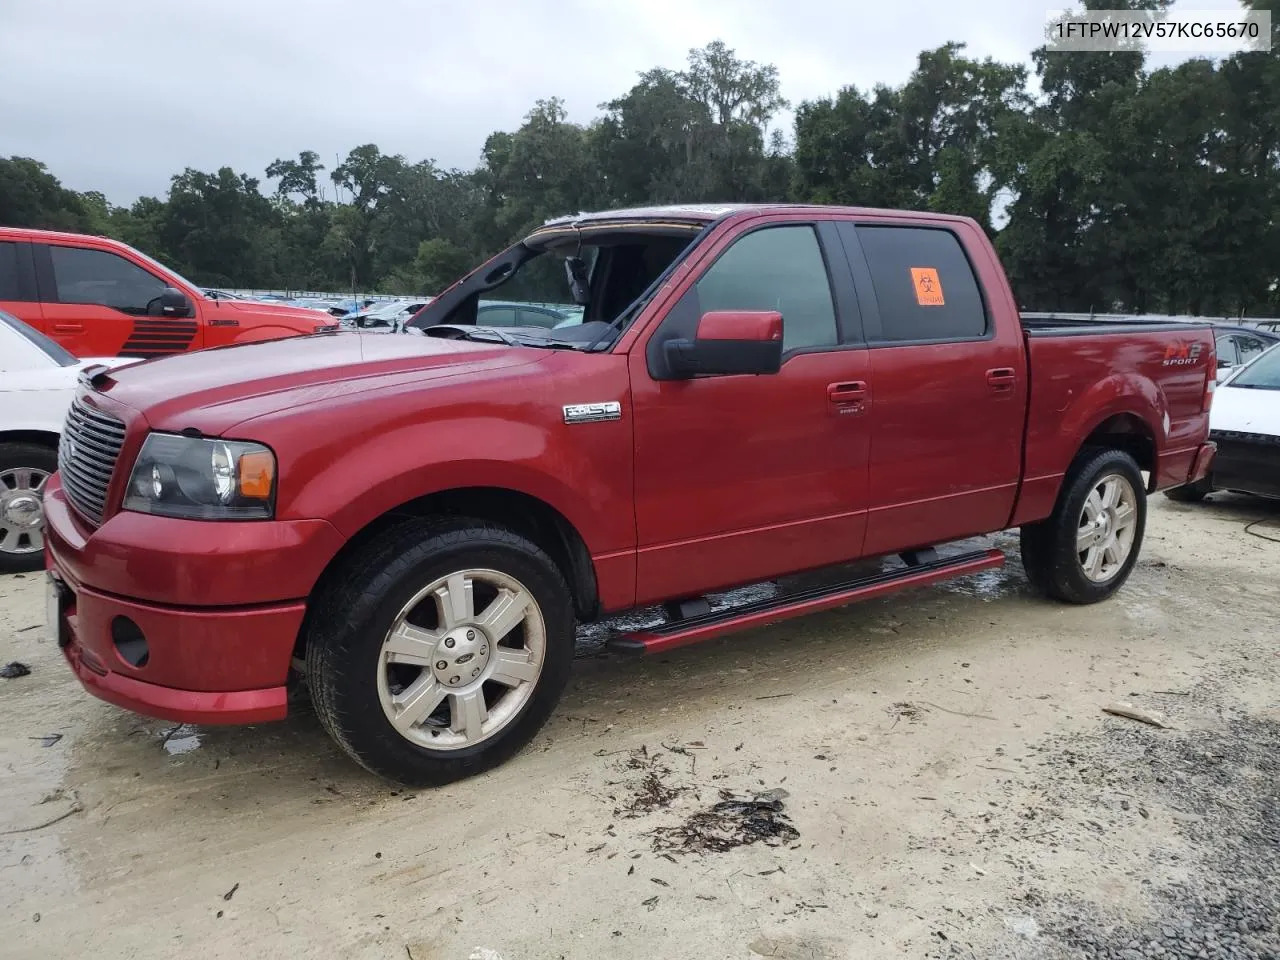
<point x="441" y="650"/>
<point x="1087" y="548"/>
<point x="1191" y="492"/>
<point x="25" y="468"/>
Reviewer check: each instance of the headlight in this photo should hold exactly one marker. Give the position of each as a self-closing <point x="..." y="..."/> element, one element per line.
<point x="202" y="479"/>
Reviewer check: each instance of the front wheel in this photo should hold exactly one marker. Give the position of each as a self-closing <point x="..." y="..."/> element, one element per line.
<point x="1086" y="549"/>
<point x="441" y="650"/>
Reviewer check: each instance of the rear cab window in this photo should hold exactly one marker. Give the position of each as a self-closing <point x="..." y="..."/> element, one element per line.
<point x="924" y="285"/>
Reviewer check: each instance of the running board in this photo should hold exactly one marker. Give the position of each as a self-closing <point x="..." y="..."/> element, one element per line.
<point x="682" y="633"/>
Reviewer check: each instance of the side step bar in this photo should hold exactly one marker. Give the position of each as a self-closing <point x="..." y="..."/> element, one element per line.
<point x="682" y="633"/>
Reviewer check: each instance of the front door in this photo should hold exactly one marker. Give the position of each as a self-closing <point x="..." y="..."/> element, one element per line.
<point x="98" y="304"/>
<point x="741" y="478"/>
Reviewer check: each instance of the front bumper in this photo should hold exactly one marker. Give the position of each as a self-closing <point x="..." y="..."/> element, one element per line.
<point x="194" y="633"/>
<point x="202" y="666"/>
<point x="1247" y="462"/>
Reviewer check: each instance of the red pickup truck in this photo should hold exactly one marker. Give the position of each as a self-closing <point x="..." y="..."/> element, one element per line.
<point x="102" y="298"/>
<point x="417" y="522"/>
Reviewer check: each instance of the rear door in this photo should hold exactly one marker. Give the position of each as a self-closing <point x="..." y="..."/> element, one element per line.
<point x="949" y="405"/>
<point x="18" y="283"/>
<point x="97" y="303"/>
<point x="739" y="478"/>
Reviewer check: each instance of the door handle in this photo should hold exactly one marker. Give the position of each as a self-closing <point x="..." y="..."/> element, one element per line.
<point x="72" y="327"/>
<point x="845" y="394"/>
<point x="1002" y="379"/>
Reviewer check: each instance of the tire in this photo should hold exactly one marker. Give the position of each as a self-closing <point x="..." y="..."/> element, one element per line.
<point x="484" y="698"/>
<point x="1191" y="492"/>
<point x="24" y="470"/>
<point x="1050" y="553"/>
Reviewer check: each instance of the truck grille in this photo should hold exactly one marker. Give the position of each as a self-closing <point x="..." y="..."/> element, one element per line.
<point x="87" y="453"/>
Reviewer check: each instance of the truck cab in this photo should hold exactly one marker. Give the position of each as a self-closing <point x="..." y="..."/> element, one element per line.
<point x="98" y="297"/>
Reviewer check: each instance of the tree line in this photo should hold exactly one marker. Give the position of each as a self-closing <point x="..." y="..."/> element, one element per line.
<point x="1107" y="185"/>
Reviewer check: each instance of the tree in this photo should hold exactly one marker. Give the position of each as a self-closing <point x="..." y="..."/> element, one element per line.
<point x="298" y="177"/>
<point x="218" y="228"/>
<point x="30" y="196"/>
<point x="1114" y="187"/>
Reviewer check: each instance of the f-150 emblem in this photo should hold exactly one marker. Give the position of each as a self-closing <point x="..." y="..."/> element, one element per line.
<point x="592" y="412"/>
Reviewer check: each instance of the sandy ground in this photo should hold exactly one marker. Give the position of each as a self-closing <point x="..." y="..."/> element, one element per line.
<point x="956" y="789"/>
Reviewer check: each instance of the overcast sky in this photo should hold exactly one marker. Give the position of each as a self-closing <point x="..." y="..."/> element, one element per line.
<point x="117" y="95"/>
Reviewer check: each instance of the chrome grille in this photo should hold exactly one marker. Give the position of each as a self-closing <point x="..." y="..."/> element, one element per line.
<point x="87" y="453"/>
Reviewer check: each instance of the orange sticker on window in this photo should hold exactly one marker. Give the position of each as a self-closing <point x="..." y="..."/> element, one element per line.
<point x="928" y="286"/>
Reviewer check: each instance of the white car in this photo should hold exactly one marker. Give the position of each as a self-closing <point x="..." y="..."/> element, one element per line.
<point x="1245" y="424"/>
<point x="386" y="317"/>
<point x="37" y="383"/>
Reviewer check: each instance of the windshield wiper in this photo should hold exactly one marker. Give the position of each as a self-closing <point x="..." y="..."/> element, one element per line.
<point x="495" y="333"/>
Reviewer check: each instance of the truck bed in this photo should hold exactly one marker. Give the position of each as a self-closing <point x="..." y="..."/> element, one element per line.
<point x="1049" y="325"/>
<point x="1085" y="373"/>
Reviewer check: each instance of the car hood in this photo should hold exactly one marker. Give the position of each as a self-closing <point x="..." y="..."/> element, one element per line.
<point x="1246" y="409"/>
<point x="213" y="390"/>
<point x="276" y="311"/>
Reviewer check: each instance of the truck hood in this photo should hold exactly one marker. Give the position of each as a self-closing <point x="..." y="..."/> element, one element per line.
<point x="213" y="390"/>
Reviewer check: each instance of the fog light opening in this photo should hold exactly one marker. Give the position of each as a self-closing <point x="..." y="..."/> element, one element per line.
<point x="131" y="645"/>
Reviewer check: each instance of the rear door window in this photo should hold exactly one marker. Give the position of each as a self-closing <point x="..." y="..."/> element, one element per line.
<point x="97" y="277"/>
<point x="924" y="285"/>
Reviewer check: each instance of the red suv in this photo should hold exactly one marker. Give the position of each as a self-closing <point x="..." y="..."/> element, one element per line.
<point x="102" y="298"/>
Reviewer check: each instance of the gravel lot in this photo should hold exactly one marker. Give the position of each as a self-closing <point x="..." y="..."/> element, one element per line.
<point x="929" y="775"/>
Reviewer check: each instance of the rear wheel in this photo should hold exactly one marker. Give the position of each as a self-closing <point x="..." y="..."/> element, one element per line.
<point x="442" y="650"/>
<point x="1086" y="549"/>
<point x="1191" y="492"/>
<point x="25" y="468"/>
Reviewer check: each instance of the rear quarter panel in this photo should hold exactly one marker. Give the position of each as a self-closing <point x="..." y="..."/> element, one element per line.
<point x="1081" y="380"/>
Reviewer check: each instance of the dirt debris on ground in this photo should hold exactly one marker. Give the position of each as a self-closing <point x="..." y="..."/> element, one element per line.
<point x="955" y="787"/>
<point x="729" y="823"/>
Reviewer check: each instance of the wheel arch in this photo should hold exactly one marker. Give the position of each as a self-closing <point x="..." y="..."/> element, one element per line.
<point x="46" y="438"/>
<point x="520" y="512"/>
<point x="1128" y="432"/>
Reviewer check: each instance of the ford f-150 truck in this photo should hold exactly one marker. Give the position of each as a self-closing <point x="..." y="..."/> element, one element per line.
<point x="98" y="297"/>
<point x="415" y="523"/>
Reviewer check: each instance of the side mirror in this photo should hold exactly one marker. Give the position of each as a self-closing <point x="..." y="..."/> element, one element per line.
<point x="172" y="303"/>
<point x="729" y="342"/>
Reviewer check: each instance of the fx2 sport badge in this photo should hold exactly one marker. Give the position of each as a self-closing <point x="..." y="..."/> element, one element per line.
<point x="1182" y="354"/>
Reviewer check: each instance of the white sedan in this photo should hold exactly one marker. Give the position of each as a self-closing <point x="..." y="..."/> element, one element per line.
<point x="37" y="383"/>
<point x="1245" y="423"/>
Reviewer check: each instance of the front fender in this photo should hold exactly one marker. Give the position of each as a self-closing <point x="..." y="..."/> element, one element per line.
<point x="588" y="482"/>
